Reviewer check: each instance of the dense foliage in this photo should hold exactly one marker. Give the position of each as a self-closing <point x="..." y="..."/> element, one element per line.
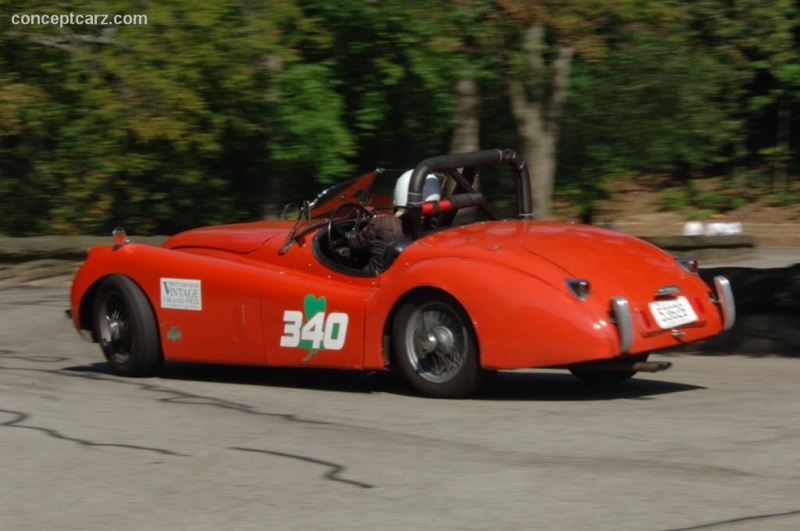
<point x="222" y="110"/>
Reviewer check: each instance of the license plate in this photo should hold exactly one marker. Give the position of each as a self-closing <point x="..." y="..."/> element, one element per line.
<point x="672" y="313"/>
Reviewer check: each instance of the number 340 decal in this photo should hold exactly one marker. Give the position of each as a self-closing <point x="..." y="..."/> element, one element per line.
<point x="313" y="328"/>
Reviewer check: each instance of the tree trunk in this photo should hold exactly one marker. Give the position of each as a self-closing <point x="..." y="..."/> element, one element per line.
<point x="271" y="189"/>
<point x="539" y="117"/>
<point x="466" y="123"/>
<point x="780" y="178"/>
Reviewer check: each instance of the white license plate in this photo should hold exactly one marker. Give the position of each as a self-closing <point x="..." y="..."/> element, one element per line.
<point x="672" y="313"/>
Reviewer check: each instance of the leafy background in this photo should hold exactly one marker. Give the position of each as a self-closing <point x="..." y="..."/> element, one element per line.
<point x="221" y="111"/>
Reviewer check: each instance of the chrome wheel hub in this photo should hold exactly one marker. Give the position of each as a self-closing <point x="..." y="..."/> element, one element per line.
<point x="113" y="329"/>
<point x="436" y="343"/>
<point x="115" y="334"/>
<point x="438" y="339"/>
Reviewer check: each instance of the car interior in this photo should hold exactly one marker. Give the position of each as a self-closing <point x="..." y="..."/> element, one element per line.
<point x="460" y="205"/>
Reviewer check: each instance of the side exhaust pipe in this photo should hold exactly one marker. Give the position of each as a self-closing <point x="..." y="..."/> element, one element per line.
<point x="616" y="366"/>
<point x="651" y="366"/>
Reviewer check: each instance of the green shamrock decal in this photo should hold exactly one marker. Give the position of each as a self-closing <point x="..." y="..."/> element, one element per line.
<point x="311" y="307"/>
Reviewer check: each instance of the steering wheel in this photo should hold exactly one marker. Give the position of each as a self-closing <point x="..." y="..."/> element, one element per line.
<point x="337" y="236"/>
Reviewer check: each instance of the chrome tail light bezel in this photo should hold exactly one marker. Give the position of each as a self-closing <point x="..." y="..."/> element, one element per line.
<point x="621" y="310"/>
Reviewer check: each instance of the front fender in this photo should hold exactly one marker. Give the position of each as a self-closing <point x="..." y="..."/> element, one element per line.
<point x="212" y="314"/>
<point x="139" y="262"/>
<point x="86" y="279"/>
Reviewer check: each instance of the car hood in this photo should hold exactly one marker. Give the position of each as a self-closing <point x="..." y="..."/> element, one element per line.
<point x="242" y="238"/>
<point x="555" y="251"/>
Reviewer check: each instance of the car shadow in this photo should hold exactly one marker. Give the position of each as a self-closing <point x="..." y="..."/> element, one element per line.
<point x="311" y="379"/>
<point x="556" y="386"/>
<point x="561" y="386"/>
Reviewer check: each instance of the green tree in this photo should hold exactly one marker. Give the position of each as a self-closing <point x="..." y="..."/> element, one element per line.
<point x="755" y="41"/>
<point x="187" y="120"/>
<point x="219" y="111"/>
<point x="652" y="105"/>
<point x="397" y="64"/>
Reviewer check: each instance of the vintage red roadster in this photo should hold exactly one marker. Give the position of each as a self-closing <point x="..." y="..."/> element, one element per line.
<point x="454" y="300"/>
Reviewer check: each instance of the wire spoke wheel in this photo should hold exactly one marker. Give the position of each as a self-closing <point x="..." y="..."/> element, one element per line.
<point x="435" y="346"/>
<point x="126" y="328"/>
<point x="115" y="329"/>
<point x="436" y="343"/>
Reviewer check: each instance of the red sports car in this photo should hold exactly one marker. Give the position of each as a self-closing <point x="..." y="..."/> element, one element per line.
<point x="462" y="294"/>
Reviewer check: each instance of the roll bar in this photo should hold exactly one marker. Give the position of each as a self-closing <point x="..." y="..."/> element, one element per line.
<point x="472" y="159"/>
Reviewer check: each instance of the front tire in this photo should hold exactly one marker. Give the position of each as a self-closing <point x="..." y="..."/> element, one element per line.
<point x="126" y="328"/>
<point x="436" y="347"/>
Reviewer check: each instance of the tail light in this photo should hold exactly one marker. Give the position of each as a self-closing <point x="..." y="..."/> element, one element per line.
<point x="689" y="265"/>
<point x="579" y="287"/>
<point x="120" y="237"/>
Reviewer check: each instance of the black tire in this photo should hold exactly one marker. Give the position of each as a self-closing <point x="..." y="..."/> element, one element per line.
<point x="126" y="328"/>
<point x="436" y="347"/>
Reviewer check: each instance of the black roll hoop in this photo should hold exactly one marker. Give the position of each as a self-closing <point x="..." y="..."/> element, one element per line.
<point x="472" y="159"/>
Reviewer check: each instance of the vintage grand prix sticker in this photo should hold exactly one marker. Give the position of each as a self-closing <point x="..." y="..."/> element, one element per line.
<point x="313" y="328"/>
<point x="181" y="294"/>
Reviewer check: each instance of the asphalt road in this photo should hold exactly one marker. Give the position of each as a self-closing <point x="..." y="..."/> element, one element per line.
<point x="710" y="444"/>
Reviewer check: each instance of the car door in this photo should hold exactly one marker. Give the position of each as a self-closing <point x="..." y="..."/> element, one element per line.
<point x="314" y="316"/>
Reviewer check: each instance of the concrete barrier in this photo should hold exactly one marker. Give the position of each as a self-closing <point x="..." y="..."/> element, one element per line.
<point x="17" y="250"/>
<point x="723" y="247"/>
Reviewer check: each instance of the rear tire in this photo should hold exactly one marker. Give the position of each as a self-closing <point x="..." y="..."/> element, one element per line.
<point x="436" y="347"/>
<point x="126" y="328"/>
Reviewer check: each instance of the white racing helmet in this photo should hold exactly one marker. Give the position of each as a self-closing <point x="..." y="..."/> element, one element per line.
<point x="431" y="191"/>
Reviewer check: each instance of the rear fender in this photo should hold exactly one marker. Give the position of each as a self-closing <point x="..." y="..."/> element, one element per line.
<point x="520" y="320"/>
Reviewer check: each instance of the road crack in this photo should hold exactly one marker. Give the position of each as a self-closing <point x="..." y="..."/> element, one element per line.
<point x="333" y="474"/>
<point x="20" y="421"/>
<point x="192" y="399"/>
<point x="726" y="523"/>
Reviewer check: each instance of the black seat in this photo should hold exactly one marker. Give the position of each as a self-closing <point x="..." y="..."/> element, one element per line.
<point x="393" y="250"/>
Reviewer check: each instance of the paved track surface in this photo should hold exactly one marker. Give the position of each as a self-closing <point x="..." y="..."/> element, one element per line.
<point x="710" y="444"/>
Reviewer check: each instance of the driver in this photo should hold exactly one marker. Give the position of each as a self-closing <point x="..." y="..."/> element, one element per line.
<point x="383" y="229"/>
